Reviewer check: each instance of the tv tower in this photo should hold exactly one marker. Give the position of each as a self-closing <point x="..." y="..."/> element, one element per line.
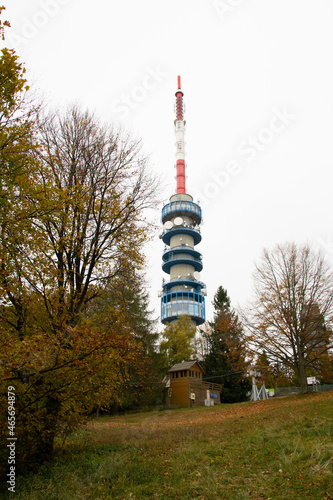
<point x="184" y="293"/>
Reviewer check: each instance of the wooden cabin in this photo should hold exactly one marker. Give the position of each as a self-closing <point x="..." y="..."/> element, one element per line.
<point x="185" y="387"/>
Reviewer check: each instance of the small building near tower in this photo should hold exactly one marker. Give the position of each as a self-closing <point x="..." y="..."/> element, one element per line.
<point x="185" y="387"/>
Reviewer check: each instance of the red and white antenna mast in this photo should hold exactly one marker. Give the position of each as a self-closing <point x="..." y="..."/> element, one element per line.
<point x="180" y="143"/>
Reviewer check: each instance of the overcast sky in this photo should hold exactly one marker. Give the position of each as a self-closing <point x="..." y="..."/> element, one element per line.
<point x="257" y="78"/>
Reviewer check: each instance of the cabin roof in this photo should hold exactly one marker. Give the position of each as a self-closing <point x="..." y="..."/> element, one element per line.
<point x="184" y="366"/>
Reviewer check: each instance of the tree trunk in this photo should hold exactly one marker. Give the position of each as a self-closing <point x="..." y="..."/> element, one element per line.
<point x="301" y="375"/>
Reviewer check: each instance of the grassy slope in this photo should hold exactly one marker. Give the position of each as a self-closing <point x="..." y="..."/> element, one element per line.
<point x="276" y="449"/>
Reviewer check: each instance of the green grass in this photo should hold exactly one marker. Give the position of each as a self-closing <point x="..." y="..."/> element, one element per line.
<point x="277" y="449"/>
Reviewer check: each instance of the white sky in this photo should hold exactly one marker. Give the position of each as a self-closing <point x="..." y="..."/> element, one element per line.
<point x="244" y="64"/>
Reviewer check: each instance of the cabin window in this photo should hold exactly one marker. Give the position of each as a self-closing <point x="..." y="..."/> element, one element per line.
<point x="181" y="374"/>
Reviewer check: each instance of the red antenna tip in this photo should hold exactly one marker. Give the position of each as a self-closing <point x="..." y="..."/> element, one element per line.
<point x="179" y="85"/>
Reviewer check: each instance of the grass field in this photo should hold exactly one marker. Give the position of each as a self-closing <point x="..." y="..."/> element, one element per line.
<point x="276" y="449"/>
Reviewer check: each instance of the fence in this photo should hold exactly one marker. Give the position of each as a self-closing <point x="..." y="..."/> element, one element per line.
<point x="289" y="391"/>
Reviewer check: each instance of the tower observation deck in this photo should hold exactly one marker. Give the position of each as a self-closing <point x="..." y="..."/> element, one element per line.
<point x="183" y="293"/>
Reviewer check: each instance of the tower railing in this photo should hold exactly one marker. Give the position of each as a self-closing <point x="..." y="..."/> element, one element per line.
<point x="183" y="248"/>
<point x="182" y="230"/>
<point x="181" y="206"/>
<point x="171" y="260"/>
<point x="184" y="256"/>
<point x="183" y="280"/>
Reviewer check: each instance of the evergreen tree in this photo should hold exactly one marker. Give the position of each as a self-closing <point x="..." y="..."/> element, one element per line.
<point x="225" y="362"/>
<point x="221" y="300"/>
<point x="123" y="306"/>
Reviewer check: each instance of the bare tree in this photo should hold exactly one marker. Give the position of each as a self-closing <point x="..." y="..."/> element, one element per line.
<point x="291" y="313"/>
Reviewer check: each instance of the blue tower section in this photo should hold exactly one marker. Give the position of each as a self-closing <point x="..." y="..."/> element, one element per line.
<point x="183" y="292"/>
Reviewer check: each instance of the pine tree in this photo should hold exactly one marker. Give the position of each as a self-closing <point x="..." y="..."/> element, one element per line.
<point x="225" y="361"/>
<point x="123" y="307"/>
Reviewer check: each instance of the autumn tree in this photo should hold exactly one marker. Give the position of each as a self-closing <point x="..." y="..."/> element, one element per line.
<point x="321" y="365"/>
<point x="225" y="361"/>
<point x="324" y="369"/>
<point x="85" y="225"/>
<point x="17" y="182"/>
<point x="291" y="313"/>
<point x="17" y="169"/>
<point x="17" y="128"/>
<point x="124" y="305"/>
<point x="73" y="195"/>
<point x="178" y="343"/>
<point x="3" y="24"/>
<point x="101" y="185"/>
<point x="272" y="374"/>
<point x="18" y="188"/>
